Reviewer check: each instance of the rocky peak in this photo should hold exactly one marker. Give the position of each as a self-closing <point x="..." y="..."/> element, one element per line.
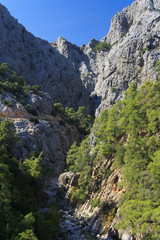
<point x="131" y="15"/>
<point x="83" y="76"/>
<point x="90" y="45"/>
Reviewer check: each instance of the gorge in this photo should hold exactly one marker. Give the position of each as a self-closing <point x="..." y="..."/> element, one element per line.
<point x="100" y="183"/>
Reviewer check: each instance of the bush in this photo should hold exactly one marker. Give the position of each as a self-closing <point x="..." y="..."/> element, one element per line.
<point x="58" y="108"/>
<point x="78" y="196"/>
<point x="102" y="46"/>
<point x="14" y="84"/>
<point x="95" y="202"/>
<point x="33" y="166"/>
<point x="8" y="103"/>
<point x="47" y="224"/>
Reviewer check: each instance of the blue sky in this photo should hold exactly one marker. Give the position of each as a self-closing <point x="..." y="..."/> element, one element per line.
<point x="76" y="20"/>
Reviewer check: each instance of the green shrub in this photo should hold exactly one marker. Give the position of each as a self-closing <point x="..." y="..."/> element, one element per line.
<point x="47" y="224"/>
<point x="33" y="166"/>
<point x="8" y="103"/>
<point x="95" y="202"/>
<point x="78" y="196"/>
<point x="17" y="198"/>
<point x="119" y="156"/>
<point x="58" y="108"/>
<point x="28" y="234"/>
<point x="14" y="84"/>
<point x="115" y="43"/>
<point x="102" y="46"/>
<point x="123" y="35"/>
<point x="107" y="207"/>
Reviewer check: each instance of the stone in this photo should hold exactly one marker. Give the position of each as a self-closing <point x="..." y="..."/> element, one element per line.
<point x="16" y="110"/>
<point x="125" y="236"/>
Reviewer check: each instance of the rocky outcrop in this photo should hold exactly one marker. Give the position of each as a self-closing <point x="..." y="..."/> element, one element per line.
<point x="11" y="108"/>
<point x="97" y="213"/>
<point x="48" y="136"/>
<point x="67" y="180"/>
<point x="38" y="130"/>
<point x="135" y="39"/>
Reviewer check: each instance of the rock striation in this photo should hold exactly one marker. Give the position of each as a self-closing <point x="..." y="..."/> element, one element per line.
<point x="90" y="215"/>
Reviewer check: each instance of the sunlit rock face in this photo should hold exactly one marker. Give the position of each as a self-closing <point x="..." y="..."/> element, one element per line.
<point x="135" y="39"/>
<point x="82" y="76"/>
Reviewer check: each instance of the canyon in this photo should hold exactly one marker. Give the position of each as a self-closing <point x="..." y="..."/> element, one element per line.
<point x="96" y="76"/>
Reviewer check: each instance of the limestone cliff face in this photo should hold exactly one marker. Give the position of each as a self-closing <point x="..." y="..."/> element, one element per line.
<point x="38" y="130"/>
<point x="98" y="212"/>
<point x="54" y="70"/>
<point x="80" y="76"/>
<point x="135" y="39"/>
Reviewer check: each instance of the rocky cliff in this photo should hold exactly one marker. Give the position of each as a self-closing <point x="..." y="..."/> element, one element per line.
<point x="83" y="76"/>
<point x="95" y="76"/>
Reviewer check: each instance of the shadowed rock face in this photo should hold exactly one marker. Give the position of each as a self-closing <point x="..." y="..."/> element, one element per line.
<point x="53" y="67"/>
<point x="80" y="76"/>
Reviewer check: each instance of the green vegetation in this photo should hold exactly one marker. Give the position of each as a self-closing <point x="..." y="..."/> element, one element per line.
<point x="102" y="46"/>
<point x="144" y="50"/>
<point x="115" y="43"/>
<point x="10" y="82"/>
<point x="58" y="108"/>
<point x="79" y="160"/>
<point x="81" y="118"/>
<point x="158" y="67"/>
<point x="123" y="35"/>
<point x="7" y="103"/>
<point x="129" y="134"/>
<point x="95" y="202"/>
<point x="19" y="214"/>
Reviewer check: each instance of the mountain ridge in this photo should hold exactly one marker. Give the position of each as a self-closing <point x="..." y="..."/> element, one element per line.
<point x="82" y="76"/>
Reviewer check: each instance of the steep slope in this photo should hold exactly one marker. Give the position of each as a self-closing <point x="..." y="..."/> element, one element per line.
<point x="40" y="63"/>
<point x="117" y="168"/>
<point x="85" y="76"/>
<point x="34" y="140"/>
<point x="134" y="39"/>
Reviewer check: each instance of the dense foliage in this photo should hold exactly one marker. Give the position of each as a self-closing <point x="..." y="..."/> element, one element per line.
<point x="102" y="46"/>
<point x="19" y="214"/>
<point x="80" y="118"/>
<point x="129" y="133"/>
<point x="10" y="82"/>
